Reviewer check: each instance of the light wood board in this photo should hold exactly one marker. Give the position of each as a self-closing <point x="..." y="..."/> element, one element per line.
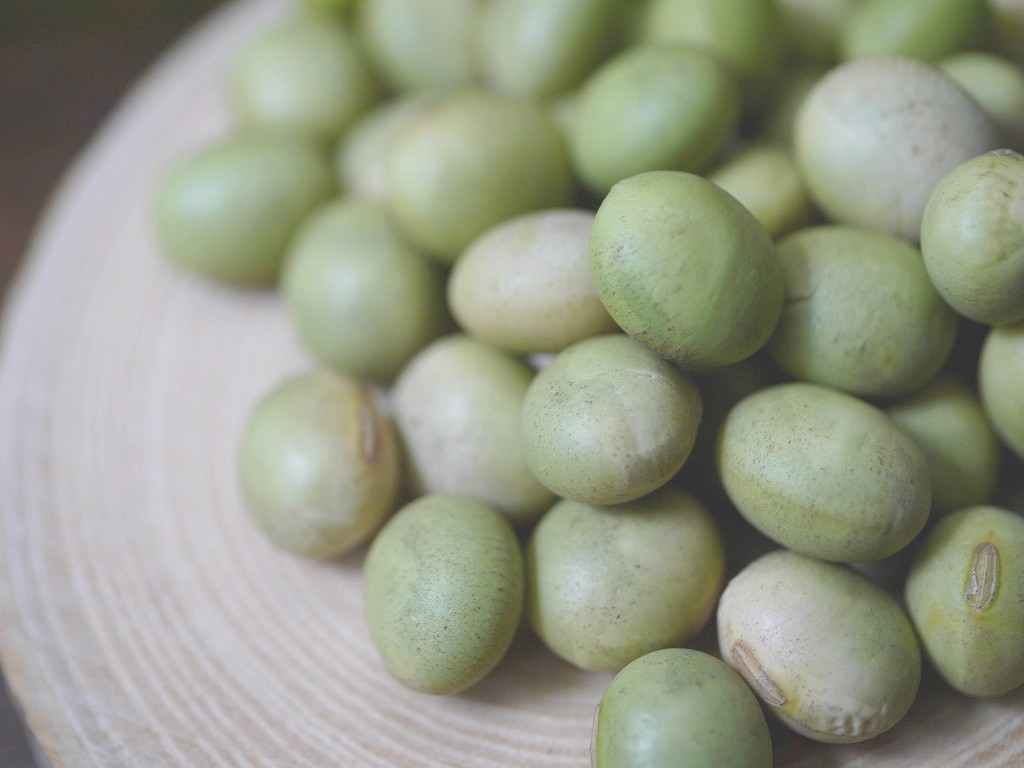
<point x="143" y="621"/>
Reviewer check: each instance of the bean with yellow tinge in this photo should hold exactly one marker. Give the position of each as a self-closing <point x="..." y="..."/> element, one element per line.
<point x="965" y="594"/>
<point x="319" y="464"/>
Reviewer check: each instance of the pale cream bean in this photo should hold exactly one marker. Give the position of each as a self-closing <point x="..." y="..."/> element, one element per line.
<point x="829" y="653"/>
<point x="458" y="407"/>
<point x="525" y="284"/>
<point x="875" y="136"/>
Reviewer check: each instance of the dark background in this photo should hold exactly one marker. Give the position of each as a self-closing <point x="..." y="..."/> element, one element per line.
<point x="63" y="65"/>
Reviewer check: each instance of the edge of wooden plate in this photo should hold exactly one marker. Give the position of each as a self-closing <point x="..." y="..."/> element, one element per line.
<point x="52" y="739"/>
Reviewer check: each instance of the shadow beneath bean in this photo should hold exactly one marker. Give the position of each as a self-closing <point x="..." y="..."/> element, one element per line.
<point x="938" y="725"/>
<point x="530" y="673"/>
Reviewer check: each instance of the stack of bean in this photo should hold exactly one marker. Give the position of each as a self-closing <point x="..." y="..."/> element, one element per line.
<point x="609" y="257"/>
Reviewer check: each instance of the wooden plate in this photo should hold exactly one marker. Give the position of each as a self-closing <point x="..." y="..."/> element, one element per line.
<point x="143" y="620"/>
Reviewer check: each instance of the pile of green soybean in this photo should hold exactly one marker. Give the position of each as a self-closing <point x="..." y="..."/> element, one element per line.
<point x="644" y="313"/>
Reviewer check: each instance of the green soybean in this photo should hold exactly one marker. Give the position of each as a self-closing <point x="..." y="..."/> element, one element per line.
<point x="229" y="210"/>
<point x="605" y="585"/>
<point x="860" y="312"/>
<point x="471" y="162"/>
<point x="764" y="177"/>
<point x="813" y="26"/>
<point x="1000" y="373"/>
<point x="608" y="421"/>
<point x="361" y="159"/>
<point x="1007" y="27"/>
<point x="303" y="77"/>
<point x="540" y="48"/>
<point x="824" y="473"/>
<point x="664" y="107"/>
<point x="420" y="44"/>
<point x="972" y="238"/>
<point x="997" y="84"/>
<point x="361" y="298"/>
<point x="917" y="29"/>
<point x="683" y="267"/>
<point x="948" y="423"/>
<point x="747" y="34"/>
<point x="337" y="9"/>
<point x="679" y="707"/>
<point x="443" y="589"/>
